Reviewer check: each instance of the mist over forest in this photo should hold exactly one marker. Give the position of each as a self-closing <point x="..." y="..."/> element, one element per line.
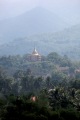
<point x="41" y="83"/>
<point x="38" y="27"/>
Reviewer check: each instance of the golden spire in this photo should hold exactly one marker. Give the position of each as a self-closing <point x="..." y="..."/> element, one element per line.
<point x="35" y="52"/>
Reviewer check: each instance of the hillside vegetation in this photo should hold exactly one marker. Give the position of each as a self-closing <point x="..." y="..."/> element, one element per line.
<point x="45" y="90"/>
<point x="66" y="42"/>
<point x="35" y="21"/>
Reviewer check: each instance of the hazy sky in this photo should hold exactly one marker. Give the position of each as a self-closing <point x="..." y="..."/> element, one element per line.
<point x="68" y="9"/>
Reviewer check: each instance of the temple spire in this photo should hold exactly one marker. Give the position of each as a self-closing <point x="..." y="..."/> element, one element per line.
<point x="35" y="52"/>
<point x="35" y="56"/>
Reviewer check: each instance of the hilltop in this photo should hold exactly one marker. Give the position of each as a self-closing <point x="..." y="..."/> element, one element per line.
<point x="36" y="21"/>
<point x="63" y="42"/>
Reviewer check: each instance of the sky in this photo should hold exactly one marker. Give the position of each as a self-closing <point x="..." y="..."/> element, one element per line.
<point x="67" y="9"/>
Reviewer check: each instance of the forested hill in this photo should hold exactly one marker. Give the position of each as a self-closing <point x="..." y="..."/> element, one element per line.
<point x="35" y="21"/>
<point x="53" y="63"/>
<point x="26" y="96"/>
<point x="64" y="42"/>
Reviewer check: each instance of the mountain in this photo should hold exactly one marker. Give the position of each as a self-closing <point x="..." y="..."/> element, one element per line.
<point x="64" y="42"/>
<point x="35" y="21"/>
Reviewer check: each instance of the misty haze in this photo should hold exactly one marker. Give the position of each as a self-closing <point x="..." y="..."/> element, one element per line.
<point x="39" y="60"/>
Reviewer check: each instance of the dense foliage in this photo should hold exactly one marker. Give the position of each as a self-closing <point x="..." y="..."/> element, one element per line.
<point x="62" y="42"/>
<point x="44" y="90"/>
<point x="22" y="108"/>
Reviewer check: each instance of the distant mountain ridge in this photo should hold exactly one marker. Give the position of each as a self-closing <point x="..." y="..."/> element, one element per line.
<point x="64" y="42"/>
<point x="35" y="21"/>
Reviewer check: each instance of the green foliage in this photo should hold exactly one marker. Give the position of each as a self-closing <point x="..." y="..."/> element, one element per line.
<point x="69" y="114"/>
<point x="56" y="93"/>
<point x="58" y="77"/>
<point x="21" y="108"/>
